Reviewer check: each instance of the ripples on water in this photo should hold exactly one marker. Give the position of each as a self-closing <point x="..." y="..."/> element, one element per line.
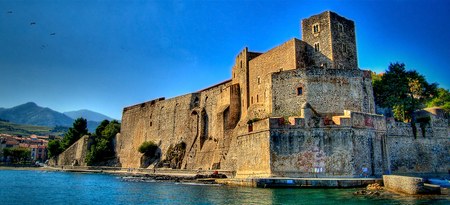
<point x="41" y="187"/>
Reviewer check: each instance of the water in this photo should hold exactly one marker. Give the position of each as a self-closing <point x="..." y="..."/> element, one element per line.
<point x="41" y="187"/>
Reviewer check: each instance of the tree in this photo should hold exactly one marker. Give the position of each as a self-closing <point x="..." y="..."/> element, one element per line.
<point x="403" y="91"/>
<point x="17" y="154"/>
<point x="148" y="148"/>
<point x="74" y="133"/>
<point x="442" y="99"/>
<point x="102" y="148"/>
<point x="54" y="148"/>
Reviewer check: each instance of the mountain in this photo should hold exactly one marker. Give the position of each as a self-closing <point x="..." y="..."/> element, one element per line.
<point x="32" y="114"/>
<point x="87" y="114"/>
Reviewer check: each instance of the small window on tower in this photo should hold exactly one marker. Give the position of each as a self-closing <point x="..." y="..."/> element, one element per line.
<point x="340" y="27"/>
<point x="344" y="48"/>
<point x="316" y="28"/>
<point x="299" y="91"/>
<point x="259" y="80"/>
<point x="316" y="47"/>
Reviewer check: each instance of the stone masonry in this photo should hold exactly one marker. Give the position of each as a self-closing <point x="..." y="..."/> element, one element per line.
<point x="301" y="109"/>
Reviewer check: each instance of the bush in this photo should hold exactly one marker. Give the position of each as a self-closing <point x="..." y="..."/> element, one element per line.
<point x="148" y="148"/>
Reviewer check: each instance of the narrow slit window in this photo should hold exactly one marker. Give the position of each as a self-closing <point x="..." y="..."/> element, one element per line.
<point x="316" y="47"/>
<point x="316" y="28"/>
<point x="299" y="91"/>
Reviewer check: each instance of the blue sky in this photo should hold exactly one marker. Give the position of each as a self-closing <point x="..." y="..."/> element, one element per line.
<point x="106" y="55"/>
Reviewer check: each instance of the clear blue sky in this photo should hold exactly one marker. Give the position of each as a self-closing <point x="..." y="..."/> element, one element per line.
<point x="105" y="55"/>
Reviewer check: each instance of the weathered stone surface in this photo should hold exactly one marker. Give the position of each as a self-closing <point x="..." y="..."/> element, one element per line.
<point x="296" y="111"/>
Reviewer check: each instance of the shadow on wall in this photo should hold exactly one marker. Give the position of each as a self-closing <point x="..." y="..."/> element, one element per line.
<point x="147" y="160"/>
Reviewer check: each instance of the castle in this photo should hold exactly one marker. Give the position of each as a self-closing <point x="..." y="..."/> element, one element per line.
<point x="301" y="109"/>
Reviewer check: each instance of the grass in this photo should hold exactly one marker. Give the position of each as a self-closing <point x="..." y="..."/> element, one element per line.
<point x="25" y="130"/>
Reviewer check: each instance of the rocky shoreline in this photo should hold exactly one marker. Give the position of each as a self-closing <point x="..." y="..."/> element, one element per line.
<point x="199" y="178"/>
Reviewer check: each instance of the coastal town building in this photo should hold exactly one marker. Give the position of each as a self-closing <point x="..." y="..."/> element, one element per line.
<point x="36" y="144"/>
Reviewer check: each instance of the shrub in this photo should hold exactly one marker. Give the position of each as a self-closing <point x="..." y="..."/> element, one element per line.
<point x="148" y="148"/>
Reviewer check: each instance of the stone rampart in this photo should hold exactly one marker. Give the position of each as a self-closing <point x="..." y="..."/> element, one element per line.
<point x="329" y="91"/>
<point x="428" y="153"/>
<point x="75" y="155"/>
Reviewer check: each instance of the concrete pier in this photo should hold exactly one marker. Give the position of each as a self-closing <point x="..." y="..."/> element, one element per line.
<point x="301" y="182"/>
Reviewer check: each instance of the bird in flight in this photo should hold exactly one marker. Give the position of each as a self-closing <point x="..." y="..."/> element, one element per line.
<point x="9" y="12"/>
<point x="33" y="23"/>
<point x="53" y="34"/>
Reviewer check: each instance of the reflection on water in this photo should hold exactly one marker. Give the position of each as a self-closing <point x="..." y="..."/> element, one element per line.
<point x="37" y="187"/>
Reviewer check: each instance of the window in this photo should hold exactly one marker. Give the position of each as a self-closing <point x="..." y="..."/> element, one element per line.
<point x="340" y="27"/>
<point x="299" y="91"/>
<point x="241" y="63"/>
<point x="257" y="98"/>
<point x="259" y="80"/>
<point x="316" y="47"/>
<point x="316" y="28"/>
<point x="344" y="48"/>
<point x="251" y="101"/>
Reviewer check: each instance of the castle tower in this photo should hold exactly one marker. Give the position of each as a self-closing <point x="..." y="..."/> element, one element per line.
<point x="331" y="39"/>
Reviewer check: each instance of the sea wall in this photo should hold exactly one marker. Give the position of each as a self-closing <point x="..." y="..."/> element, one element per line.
<point x="427" y="153"/>
<point x="301" y="148"/>
<point x="75" y="155"/>
<point x="199" y="120"/>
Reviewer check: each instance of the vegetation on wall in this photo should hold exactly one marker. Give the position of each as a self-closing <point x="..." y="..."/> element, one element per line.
<point x="102" y="147"/>
<point x="148" y="148"/>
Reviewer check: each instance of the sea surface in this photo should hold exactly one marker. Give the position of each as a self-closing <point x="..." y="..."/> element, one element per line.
<point x="50" y="187"/>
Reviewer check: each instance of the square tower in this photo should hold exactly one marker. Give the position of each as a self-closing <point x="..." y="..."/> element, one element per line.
<point x="331" y="39"/>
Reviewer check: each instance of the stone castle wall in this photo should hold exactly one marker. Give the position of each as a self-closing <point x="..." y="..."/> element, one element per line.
<point x="199" y="120"/>
<point x="329" y="91"/>
<point x="76" y="153"/>
<point x="424" y="154"/>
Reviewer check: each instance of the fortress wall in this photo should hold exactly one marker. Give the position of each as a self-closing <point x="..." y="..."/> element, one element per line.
<point x="164" y="122"/>
<point x="326" y="152"/>
<point x="429" y="154"/>
<point x="76" y="153"/>
<point x="196" y="119"/>
<point x="252" y="153"/>
<point x="329" y="91"/>
<point x="207" y="151"/>
<point x="282" y="57"/>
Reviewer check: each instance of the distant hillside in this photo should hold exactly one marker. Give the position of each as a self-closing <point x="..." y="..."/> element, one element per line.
<point x="26" y="130"/>
<point x="87" y="114"/>
<point x="32" y="114"/>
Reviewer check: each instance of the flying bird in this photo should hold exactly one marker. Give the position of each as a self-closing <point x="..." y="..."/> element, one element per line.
<point x="9" y="12"/>
<point x="53" y="34"/>
<point x="33" y="23"/>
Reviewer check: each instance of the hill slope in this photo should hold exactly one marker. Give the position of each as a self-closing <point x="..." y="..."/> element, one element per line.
<point x="87" y="114"/>
<point x="32" y="114"/>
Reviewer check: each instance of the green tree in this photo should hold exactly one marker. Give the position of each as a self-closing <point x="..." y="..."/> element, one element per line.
<point x="111" y="130"/>
<point x="148" y="148"/>
<point x="403" y="91"/>
<point x="17" y="155"/>
<point x="442" y="99"/>
<point x="74" y="133"/>
<point x="102" y="148"/>
<point x="54" y="148"/>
